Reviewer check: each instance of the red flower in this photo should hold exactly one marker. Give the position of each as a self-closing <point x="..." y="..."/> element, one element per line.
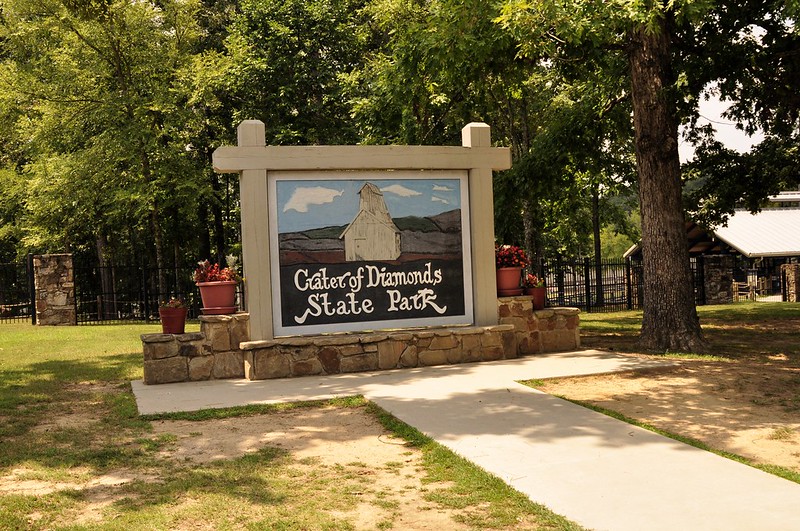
<point x="208" y="272"/>
<point x="532" y="281"/>
<point x="510" y="256"/>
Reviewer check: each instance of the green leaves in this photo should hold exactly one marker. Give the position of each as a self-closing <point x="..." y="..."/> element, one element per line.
<point x="100" y="114"/>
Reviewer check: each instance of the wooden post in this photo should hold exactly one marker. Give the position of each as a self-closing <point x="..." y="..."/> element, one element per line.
<point x="255" y="235"/>
<point x="481" y="206"/>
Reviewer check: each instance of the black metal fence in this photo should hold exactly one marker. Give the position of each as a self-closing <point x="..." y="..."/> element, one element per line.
<point x="132" y="293"/>
<point x="16" y="292"/>
<point x="605" y="286"/>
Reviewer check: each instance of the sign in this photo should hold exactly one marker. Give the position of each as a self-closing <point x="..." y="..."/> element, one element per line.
<point x="363" y="250"/>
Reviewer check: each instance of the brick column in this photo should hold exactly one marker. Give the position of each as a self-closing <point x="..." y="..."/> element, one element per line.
<point x="55" y="289"/>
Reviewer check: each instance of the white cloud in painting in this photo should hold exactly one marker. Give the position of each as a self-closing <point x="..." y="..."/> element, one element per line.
<point x="440" y="188"/>
<point x="440" y="200"/>
<point x="303" y="197"/>
<point x="399" y="189"/>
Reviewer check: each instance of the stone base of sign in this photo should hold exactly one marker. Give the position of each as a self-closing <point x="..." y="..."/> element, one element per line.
<point x="211" y="354"/>
<point x="221" y="349"/>
<point x="548" y="330"/>
<point x="305" y="356"/>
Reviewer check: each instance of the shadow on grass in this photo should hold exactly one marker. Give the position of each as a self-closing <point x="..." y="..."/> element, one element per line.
<point x="38" y="400"/>
<point x="247" y="477"/>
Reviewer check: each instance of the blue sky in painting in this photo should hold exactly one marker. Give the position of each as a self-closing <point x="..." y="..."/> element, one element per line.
<point x="310" y="204"/>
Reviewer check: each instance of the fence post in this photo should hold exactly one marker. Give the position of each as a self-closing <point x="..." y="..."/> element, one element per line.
<point x="543" y="272"/>
<point x="587" y="282"/>
<point x="784" y="287"/>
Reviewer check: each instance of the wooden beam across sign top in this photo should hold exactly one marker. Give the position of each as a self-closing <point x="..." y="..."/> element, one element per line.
<point x="235" y="159"/>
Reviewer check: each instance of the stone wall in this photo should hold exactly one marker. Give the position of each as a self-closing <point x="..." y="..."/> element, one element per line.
<point x="221" y="349"/>
<point x="304" y="356"/>
<point x="791" y="272"/>
<point x="548" y="330"/>
<point x="718" y="278"/>
<point x="55" y="289"/>
<point x="211" y="354"/>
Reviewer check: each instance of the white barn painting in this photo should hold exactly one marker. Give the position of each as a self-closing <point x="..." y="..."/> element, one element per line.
<point x="372" y="235"/>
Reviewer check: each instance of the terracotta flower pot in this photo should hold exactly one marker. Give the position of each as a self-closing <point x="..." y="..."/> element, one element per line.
<point x="173" y="320"/>
<point x="508" y="279"/>
<point x="218" y="297"/>
<point x="539" y="296"/>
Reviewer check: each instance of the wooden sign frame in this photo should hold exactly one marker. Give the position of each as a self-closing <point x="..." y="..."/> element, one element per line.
<point x="254" y="161"/>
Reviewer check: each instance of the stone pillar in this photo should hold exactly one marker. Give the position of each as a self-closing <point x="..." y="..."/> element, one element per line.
<point x="718" y="276"/>
<point x="791" y="285"/>
<point x="55" y="289"/>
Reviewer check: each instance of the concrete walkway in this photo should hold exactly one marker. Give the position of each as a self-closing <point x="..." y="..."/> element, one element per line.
<point x="597" y="471"/>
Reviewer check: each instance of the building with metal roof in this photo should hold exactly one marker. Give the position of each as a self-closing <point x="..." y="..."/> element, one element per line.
<point x="773" y="232"/>
<point x="760" y="244"/>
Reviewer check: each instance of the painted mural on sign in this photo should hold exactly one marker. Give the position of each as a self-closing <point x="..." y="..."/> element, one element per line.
<point x="366" y="251"/>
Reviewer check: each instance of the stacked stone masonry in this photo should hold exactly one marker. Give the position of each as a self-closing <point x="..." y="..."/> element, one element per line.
<point x="222" y="349"/>
<point x="211" y="354"/>
<point x="718" y="279"/>
<point x="55" y="289"/>
<point x="791" y="276"/>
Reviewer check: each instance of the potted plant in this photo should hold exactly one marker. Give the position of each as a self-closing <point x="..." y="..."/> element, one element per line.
<point x="217" y="286"/>
<point x="534" y="286"/>
<point x="509" y="261"/>
<point x="173" y="316"/>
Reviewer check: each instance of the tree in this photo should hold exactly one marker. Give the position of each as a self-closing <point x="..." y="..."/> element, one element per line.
<point x="286" y="64"/>
<point x="669" y="319"/>
<point x="720" y="180"/>
<point x="748" y="55"/>
<point x="670" y="52"/>
<point x="457" y="66"/>
<point x="102" y="121"/>
<point x="624" y="41"/>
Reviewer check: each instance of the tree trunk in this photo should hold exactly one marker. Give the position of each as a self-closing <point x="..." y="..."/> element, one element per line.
<point x="670" y="319"/>
<point x="107" y="298"/>
<point x="598" y="264"/>
<point x="219" y="221"/>
<point x="205" y="233"/>
<point x="155" y="223"/>
<point x="533" y="241"/>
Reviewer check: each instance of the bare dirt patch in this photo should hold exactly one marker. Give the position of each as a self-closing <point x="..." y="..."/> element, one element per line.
<point x="747" y="407"/>
<point x="349" y="442"/>
<point x="347" y="445"/>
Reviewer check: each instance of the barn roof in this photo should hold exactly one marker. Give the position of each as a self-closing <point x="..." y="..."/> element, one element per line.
<point x="771" y="232"/>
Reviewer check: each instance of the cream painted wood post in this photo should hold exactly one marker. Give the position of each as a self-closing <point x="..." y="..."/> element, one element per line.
<point x="481" y="206"/>
<point x="255" y="234"/>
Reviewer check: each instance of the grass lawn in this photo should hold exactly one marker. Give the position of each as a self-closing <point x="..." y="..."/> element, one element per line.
<point x="752" y="330"/>
<point x="75" y="454"/>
